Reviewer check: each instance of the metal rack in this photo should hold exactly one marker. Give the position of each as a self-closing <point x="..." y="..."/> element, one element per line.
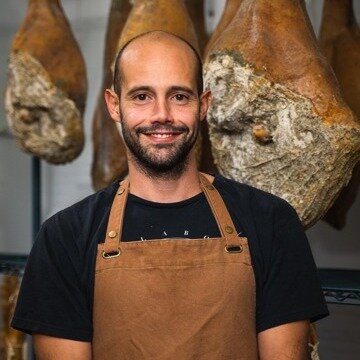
<point x="341" y="286"/>
<point x="16" y="262"/>
<point x="12" y="263"/>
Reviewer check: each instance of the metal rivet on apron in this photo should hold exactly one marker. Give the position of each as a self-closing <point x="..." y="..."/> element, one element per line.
<point x="233" y="248"/>
<point x="112" y="234"/>
<point x="210" y="187"/>
<point x="121" y="191"/>
<point x="229" y="229"/>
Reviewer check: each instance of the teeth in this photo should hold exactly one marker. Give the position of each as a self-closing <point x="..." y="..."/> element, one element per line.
<point x="161" y="135"/>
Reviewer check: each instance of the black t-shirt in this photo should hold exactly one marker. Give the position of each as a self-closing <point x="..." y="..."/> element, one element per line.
<point x="56" y="294"/>
<point x="191" y="218"/>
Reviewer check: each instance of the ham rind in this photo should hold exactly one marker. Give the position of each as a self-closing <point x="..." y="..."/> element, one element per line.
<point x="228" y="14"/>
<point x="340" y="42"/>
<point x="203" y="146"/>
<point x="109" y="153"/>
<point x="197" y="15"/>
<point x="11" y="341"/>
<point x="207" y="161"/>
<point x="277" y="120"/>
<point x="47" y="86"/>
<point x="166" y="15"/>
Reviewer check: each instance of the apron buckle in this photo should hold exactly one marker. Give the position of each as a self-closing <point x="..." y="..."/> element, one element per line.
<point x="109" y="255"/>
<point x="233" y="248"/>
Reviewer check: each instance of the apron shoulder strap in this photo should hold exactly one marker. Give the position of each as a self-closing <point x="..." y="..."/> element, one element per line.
<point x="115" y="223"/>
<point x="114" y="227"/>
<point x="219" y="209"/>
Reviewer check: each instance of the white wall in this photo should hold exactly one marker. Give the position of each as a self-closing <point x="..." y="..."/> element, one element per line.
<point x="65" y="184"/>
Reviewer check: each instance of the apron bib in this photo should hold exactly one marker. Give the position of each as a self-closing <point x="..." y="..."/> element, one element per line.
<point x="187" y="299"/>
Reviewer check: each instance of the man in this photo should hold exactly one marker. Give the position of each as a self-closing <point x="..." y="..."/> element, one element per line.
<point x="171" y="264"/>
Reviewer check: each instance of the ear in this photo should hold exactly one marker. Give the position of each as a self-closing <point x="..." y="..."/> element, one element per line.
<point x="113" y="104"/>
<point x="205" y="101"/>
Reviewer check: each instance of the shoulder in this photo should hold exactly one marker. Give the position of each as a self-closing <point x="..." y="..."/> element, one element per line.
<point x="280" y="253"/>
<point x="268" y="221"/>
<point x="81" y="222"/>
<point x="62" y="264"/>
<point x="88" y="206"/>
<point x="263" y="205"/>
<point x="86" y="209"/>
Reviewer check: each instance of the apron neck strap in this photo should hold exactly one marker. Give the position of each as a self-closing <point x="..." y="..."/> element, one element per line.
<point x="218" y="208"/>
<point x="116" y="217"/>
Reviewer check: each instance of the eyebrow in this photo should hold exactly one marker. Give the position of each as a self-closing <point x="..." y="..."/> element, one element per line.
<point x="151" y="89"/>
<point x="139" y="88"/>
<point x="182" y="88"/>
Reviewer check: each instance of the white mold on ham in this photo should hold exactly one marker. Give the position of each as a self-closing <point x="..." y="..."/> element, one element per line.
<point x="303" y="158"/>
<point x="43" y="119"/>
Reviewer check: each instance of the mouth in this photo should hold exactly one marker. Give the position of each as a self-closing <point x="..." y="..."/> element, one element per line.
<point x="162" y="135"/>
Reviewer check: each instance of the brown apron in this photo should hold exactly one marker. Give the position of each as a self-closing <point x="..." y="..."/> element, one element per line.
<point x="174" y="299"/>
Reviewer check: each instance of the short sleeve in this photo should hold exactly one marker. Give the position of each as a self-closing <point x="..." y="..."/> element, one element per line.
<point x="52" y="300"/>
<point x="291" y="290"/>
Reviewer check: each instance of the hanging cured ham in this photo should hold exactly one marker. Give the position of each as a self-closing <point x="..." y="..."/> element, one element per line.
<point x="340" y="42"/>
<point x="228" y="14"/>
<point x="11" y="341"/>
<point x="197" y="15"/>
<point x="278" y="121"/>
<point x="109" y="154"/>
<point x="203" y="146"/>
<point x="207" y="161"/>
<point x="46" y="89"/>
<point x="167" y="15"/>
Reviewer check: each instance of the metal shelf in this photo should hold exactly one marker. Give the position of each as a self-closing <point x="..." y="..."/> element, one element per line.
<point x="340" y="286"/>
<point x="12" y="263"/>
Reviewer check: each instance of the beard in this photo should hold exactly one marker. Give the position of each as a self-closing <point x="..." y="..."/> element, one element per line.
<point x="165" y="161"/>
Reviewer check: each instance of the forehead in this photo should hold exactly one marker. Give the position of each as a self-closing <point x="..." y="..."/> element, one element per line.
<point x="161" y="60"/>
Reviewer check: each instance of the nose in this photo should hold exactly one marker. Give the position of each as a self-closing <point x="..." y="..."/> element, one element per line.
<point x="162" y="112"/>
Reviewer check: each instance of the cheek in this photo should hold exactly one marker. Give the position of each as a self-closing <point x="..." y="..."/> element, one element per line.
<point x="186" y="115"/>
<point x="134" y="116"/>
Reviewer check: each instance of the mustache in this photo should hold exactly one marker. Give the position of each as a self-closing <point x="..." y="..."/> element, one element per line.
<point x="161" y="128"/>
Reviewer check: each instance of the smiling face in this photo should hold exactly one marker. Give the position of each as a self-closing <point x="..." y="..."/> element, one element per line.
<point x="159" y="106"/>
<point x="160" y="149"/>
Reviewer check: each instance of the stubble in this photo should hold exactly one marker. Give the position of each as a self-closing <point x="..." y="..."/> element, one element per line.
<point x="160" y="161"/>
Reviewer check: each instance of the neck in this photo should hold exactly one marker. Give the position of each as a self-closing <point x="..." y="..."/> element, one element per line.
<point x="160" y="189"/>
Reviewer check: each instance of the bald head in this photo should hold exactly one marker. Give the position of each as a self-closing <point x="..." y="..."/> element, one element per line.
<point x="130" y="49"/>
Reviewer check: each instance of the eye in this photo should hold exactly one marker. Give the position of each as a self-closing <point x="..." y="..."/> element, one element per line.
<point x="181" y="97"/>
<point x="141" y="97"/>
